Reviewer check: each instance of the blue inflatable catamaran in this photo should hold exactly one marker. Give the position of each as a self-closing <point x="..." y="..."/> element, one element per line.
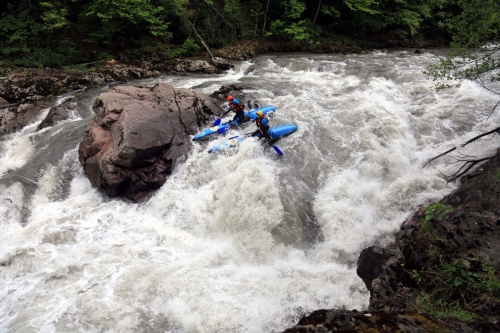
<point x="275" y="133"/>
<point x="222" y="128"/>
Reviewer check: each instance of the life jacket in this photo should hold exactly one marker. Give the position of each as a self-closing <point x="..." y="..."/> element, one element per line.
<point x="263" y="128"/>
<point x="236" y="106"/>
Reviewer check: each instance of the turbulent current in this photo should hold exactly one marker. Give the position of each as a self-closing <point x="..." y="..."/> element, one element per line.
<point x="245" y="241"/>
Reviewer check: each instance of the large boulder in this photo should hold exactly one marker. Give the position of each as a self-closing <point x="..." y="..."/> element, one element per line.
<point x="138" y="134"/>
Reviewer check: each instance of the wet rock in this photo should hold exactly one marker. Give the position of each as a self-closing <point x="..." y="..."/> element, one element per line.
<point x="235" y="53"/>
<point x="139" y="134"/>
<point x="58" y="113"/>
<point x="46" y="82"/>
<point x="16" y="116"/>
<point x="224" y="91"/>
<point x="469" y="232"/>
<point x="190" y="66"/>
<point x="370" y="263"/>
<point x="346" y="321"/>
<point x="221" y="63"/>
<point x="31" y="90"/>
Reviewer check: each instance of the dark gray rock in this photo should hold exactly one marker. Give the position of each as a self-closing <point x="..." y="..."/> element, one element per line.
<point x="190" y="66"/>
<point x="45" y="82"/>
<point x="16" y="116"/>
<point x="59" y="113"/>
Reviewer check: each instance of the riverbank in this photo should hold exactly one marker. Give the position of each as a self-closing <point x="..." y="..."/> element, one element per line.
<point x="441" y="274"/>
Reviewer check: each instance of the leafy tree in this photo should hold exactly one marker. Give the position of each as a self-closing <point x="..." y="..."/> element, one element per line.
<point x="116" y="16"/>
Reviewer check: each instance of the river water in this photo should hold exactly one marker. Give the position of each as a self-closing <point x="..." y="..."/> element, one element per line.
<point x="245" y="241"/>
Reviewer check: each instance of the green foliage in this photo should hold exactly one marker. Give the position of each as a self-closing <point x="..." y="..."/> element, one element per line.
<point x="436" y="211"/>
<point x="462" y="64"/>
<point x="476" y="21"/>
<point x="17" y="26"/>
<point x="442" y="309"/>
<point x="497" y="175"/>
<point x="426" y="227"/>
<point x="472" y="24"/>
<point x="64" y="31"/>
<point x="292" y="9"/>
<point x="189" y="47"/>
<point x="54" y="17"/>
<point x="302" y="30"/>
<point x="114" y="16"/>
<point x="366" y="6"/>
<point x="451" y="290"/>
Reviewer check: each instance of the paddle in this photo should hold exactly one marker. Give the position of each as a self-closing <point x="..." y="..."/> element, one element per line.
<point x="217" y="121"/>
<point x="278" y="150"/>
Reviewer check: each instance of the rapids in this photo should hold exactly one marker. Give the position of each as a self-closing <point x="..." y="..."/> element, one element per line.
<point x="246" y="241"/>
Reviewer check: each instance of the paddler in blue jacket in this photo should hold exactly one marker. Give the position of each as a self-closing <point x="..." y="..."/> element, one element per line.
<point x="236" y="106"/>
<point x="262" y="126"/>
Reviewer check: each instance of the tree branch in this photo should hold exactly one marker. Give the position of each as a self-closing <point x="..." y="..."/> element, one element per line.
<point x="317" y="12"/>
<point x="462" y="145"/>
<point x="265" y="18"/>
<point x="493" y="110"/>
<point x="417" y="41"/>
<point x="467" y="165"/>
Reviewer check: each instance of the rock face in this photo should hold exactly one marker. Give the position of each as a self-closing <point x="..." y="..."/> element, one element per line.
<point x="468" y="233"/>
<point x="138" y="134"/>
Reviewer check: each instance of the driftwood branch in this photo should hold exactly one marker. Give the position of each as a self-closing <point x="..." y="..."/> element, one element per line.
<point x="201" y="40"/>
<point x="93" y="62"/>
<point x="462" y="145"/>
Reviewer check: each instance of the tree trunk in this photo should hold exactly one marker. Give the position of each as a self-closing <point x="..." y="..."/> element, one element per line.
<point x="201" y="40"/>
<point x="317" y="11"/>
<point x="265" y="18"/>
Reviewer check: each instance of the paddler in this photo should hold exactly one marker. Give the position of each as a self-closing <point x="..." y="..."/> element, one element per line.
<point x="262" y="126"/>
<point x="236" y="106"/>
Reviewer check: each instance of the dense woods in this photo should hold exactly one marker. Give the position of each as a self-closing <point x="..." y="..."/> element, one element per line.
<point x="63" y="32"/>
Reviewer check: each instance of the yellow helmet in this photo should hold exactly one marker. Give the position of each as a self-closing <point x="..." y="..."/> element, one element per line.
<point x="260" y="113"/>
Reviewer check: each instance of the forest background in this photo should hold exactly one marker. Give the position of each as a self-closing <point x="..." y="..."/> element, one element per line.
<point x="59" y="33"/>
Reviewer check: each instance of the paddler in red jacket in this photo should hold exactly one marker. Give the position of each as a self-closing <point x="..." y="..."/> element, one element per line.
<point x="236" y="106"/>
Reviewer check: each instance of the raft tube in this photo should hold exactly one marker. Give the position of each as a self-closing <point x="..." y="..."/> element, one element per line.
<point x="275" y="132"/>
<point x="222" y="128"/>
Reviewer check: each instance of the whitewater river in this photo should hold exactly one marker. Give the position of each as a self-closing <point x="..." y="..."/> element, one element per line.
<point x="246" y="241"/>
